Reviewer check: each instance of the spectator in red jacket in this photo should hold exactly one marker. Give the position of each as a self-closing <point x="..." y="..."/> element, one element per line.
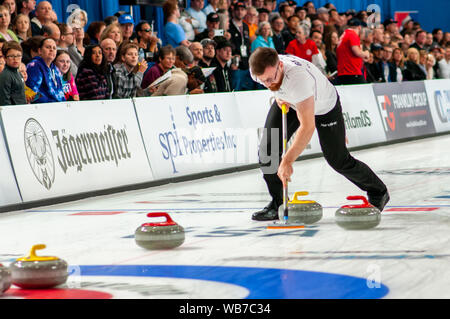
<point x="350" y="55"/>
<point x="302" y="47"/>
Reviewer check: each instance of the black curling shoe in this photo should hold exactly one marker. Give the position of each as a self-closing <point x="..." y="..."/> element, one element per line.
<point x="379" y="201"/>
<point x="267" y="213"/>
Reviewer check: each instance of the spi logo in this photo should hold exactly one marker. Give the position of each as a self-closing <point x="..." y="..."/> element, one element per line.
<point x="442" y="101"/>
<point x="384" y="104"/>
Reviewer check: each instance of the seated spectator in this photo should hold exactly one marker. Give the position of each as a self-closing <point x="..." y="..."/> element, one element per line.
<point x="44" y="77"/>
<point x="398" y="60"/>
<point x="444" y="64"/>
<point x="129" y="74"/>
<point x="166" y="62"/>
<point x="66" y="43"/>
<point x="126" y="23"/>
<point x="263" y="15"/>
<point x="43" y="16"/>
<point x="5" y="20"/>
<point x="289" y="33"/>
<point x="429" y="64"/>
<point x="331" y="42"/>
<point x="423" y="60"/>
<point x="189" y="25"/>
<point x="386" y="71"/>
<point x="175" y="85"/>
<point x="222" y="73"/>
<point x="21" y="27"/>
<point x="51" y="30"/>
<point x="305" y="21"/>
<point x="263" y="37"/>
<point x="114" y="32"/>
<point x="26" y="7"/>
<point x="251" y="19"/>
<point x="209" y="52"/>
<point x="78" y="34"/>
<point x="63" y="63"/>
<point x="196" y="79"/>
<point x="421" y="38"/>
<point x="302" y="47"/>
<point x="183" y="58"/>
<point x="12" y="89"/>
<point x="277" y="25"/>
<point x="412" y="71"/>
<point x="212" y="24"/>
<point x="197" y="51"/>
<point x="213" y="6"/>
<point x="195" y="11"/>
<point x="110" y="20"/>
<point x="109" y="49"/>
<point x="2" y="58"/>
<point x="31" y="48"/>
<point x="11" y="5"/>
<point x="93" y="32"/>
<point x="147" y="41"/>
<point x="173" y="33"/>
<point x="91" y="80"/>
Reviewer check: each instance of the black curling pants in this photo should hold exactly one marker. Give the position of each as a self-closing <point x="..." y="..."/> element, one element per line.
<point x="331" y="131"/>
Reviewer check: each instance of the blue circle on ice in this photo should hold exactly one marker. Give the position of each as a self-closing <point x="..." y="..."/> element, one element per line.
<point x="262" y="283"/>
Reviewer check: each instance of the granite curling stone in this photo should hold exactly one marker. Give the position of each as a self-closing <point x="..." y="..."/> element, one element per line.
<point x="357" y="217"/>
<point x="5" y="279"/>
<point x="38" y="272"/>
<point x="302" y="211"/>
<point x="159" y="235"/>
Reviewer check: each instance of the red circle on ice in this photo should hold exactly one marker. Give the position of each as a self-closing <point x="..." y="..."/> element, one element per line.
<point x="56" y="294"/>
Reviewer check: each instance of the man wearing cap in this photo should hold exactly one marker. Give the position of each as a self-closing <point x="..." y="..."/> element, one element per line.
<point x="212" y="24"/>
<point x="390" y="25"/>
<point x="222" y="74"/>
<point x="350" y="55"/>
<point x="323" y="15"/>
<point x="127" y="26"/>
<point x="209" y="52"/>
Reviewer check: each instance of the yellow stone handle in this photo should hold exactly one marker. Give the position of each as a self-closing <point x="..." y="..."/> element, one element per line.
<point x="34" y="248"/>
<point x="297" y="194"/>
<point x="295" y="200"/>
<point x="34" y="257"/>
<point x="284" y="108"/>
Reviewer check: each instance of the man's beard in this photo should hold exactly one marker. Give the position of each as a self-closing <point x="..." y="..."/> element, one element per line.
<point x="276" y="85"/>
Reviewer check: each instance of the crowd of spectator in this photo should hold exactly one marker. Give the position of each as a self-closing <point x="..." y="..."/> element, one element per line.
<point x="205" y="48"/>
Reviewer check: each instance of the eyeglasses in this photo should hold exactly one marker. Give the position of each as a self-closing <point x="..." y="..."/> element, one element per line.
<point x="14" y="56"/>
<point x="269" y="81"/>
<point x="147" y="30"/>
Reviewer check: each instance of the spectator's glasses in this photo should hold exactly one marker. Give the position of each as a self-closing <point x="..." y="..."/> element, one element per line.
<point x="14" y="56"/>
<point x="269" y="81"/>
<point x="147" y="30"/>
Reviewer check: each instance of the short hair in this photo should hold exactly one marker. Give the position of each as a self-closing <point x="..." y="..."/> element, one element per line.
<point x="314" y="31"/>
<point x="169" y="7"/>
<point x="11" y="45"/>
<point x="184" y="54"/>
<point x="261" y="59"/>
<point x="261" y="25"/>
<point x="165" y="51"/>
<point x="126" y="46"/>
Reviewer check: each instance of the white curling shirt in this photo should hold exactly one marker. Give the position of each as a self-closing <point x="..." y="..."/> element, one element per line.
<point x="301" y="80"/>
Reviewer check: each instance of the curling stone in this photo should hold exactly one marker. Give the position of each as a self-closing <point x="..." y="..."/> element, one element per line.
<point x="362" y="216"/>
<point x="302" y="211"/>
<point x="5" y="279"/>
<point x="38" y="272"/>
<point x="161" y="235"/>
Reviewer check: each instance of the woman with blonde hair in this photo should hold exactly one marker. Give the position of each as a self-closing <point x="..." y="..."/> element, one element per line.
<point x="412" y="71"/>
<point x="114" y="32"/>
<point x="263" y="37"/>
<point x="22" y="27"/>
<point x="398" y="60"/>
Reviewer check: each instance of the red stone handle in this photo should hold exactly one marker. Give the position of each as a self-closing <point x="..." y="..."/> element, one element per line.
<point x="168" y="222"/>
<point x="365" y="203"/>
